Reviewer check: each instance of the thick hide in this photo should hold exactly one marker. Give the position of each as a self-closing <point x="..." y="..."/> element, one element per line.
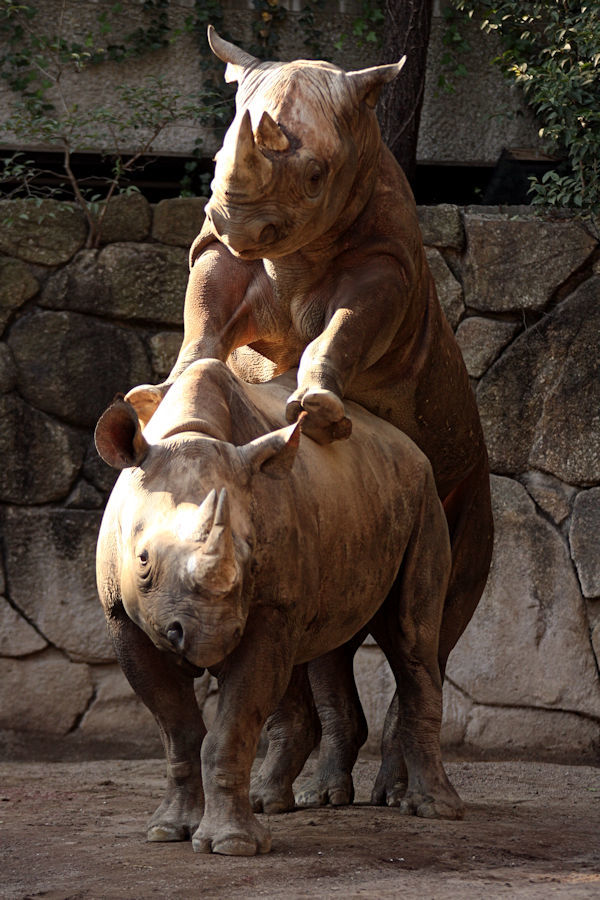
<point x="231" y="543"/>
<point x="311" y="257"/>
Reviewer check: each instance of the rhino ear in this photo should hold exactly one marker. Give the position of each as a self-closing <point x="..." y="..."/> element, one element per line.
<point x="368" y="82"/>
<point x="145" y="399"/>
<point x="274" y="453"/>
<point x="237" y="59"/>
<point x="118" y="436"/>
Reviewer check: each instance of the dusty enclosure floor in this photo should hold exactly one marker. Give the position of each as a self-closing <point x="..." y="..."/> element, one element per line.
<point x="76" y="830"/>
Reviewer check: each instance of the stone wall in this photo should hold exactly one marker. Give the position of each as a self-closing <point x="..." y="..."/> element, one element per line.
<point x="78" y="325"/>
<point x="472" y="125"/>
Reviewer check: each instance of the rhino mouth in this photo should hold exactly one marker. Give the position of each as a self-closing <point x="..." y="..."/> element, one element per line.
<point x="246" y="241"/>
<point x="198" y="648"/>
<point x="188" y="667"/>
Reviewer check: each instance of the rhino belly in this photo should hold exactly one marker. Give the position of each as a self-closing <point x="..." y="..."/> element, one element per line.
<point x="365" y="507"/>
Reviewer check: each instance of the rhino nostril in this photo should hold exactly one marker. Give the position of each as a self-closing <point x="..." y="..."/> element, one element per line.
<point x="175" y="635"/>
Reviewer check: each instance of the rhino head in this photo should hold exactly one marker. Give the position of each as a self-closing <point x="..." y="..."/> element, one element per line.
<point x="183" y="530"/>
<point x="300" y="156"/>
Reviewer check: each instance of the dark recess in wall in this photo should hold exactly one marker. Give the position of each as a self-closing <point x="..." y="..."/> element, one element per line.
<point x="161" y="177"/>
<point x="157" y="177"/>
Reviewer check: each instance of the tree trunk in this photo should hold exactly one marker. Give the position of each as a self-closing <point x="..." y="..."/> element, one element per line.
<point x="406" y="31"/>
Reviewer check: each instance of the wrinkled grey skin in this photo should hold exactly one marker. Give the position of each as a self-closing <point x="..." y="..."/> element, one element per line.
<point x="229" y="543"/>
<point x="311" y="257"/>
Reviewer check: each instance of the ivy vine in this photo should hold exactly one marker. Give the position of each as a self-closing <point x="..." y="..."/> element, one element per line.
<point x="265" y="27"/>
<point x="308" y="21"/>
<point x="367" y="26"/>
<point x="46" y="110"/>
<point x="551" y="50"/>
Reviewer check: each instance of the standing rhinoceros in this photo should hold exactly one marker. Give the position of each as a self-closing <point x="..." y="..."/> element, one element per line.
<point x="228" y="543"/>
<point x="311" y="256"/>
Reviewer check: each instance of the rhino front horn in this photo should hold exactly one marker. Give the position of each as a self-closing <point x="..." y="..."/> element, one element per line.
<point x="249" y="169"/>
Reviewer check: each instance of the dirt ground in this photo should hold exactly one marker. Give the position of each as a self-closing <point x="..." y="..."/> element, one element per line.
<point x="76" y="829"/>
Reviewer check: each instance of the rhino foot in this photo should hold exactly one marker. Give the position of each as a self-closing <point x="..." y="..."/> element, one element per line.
<point x="322" y="412"/>
<point x="176" y="819"/>
<point x="270" y="798"/>
<point x="382" y="795"/>
<point x="169" y="831"/>
<point x="446" y="806"/>
<point x="231" y="839"/>
<point x="322" y="791"/>
<point x="437" y="799"/>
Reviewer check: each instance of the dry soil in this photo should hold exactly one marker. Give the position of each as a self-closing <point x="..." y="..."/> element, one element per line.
<point x="76" y="830"/>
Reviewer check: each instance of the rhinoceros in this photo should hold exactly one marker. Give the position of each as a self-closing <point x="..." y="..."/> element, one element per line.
<point x="229" y="543"/>
<point x="311" y="256"/>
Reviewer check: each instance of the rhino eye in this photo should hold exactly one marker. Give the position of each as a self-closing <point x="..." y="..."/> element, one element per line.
<point x="313" y="178"/>
<point x="144" y="568"/>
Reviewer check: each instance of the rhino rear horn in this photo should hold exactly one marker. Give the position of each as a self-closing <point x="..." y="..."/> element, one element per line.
<point x="118" y="436"/>
<point x="368" y="82"/>
<point x="218" y="568"/>
<point x="237" y="59"/>
<point x="195" y="524"/>
<point x="270" y="136"/>
<point x="274" y="453"/>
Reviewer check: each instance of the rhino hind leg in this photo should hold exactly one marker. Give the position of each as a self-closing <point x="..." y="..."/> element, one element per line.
<point x="293" y="732"/>
<point x="178" y="816"/>
<point x="469" y="513"/>
<point x="469" y="516"/>
<point x="392" y="779"/>
<point x="412" y="775"/>
<point x="169" y="695"/>
<point x="343" y="724"/>
<point x="406" y="628"/>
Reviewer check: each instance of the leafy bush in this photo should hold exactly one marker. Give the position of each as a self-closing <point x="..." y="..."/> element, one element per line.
<point x="552" y="50"/>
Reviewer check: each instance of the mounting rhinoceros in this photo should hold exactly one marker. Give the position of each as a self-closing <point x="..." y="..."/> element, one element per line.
<point x="311" y="256"/>
<point x="229" y="543"/>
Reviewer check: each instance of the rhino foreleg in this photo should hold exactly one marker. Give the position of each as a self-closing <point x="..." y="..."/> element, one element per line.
<point x="293" y="732"/>
<point x="169" y="695"/>
<point x="324" y="420"/>
<point x="218" y="308"/>
<point x="364" y="315"/>
<point x="252" y="681"/>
